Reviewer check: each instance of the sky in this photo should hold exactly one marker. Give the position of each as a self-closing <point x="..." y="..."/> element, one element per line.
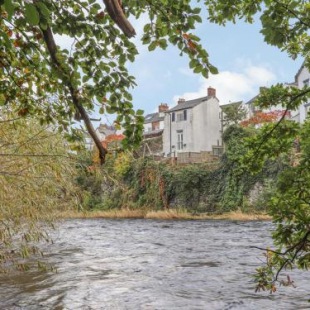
<point x="245" y="63"/>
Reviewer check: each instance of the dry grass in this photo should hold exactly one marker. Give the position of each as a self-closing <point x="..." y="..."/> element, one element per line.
<point x="240" y="216"/>
<point x="103" y="214"/>
<point x="171" y="214"/>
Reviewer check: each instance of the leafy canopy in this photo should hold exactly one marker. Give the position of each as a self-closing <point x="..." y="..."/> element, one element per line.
<point x="285" y="24"/>
<point x="233" y="113"/>
<point x="36" y="180"/>
<point x="40" y="78"/>
<point x="57" y="84"/>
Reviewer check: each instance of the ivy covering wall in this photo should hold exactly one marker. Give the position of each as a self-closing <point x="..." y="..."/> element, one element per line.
<point x="143" y="183"/>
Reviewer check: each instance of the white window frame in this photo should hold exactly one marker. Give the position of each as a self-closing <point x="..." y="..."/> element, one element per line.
<point x="180" y="137"/>
<point x="180" y="117"/>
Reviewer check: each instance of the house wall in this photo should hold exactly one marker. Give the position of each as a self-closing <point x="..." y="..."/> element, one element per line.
<point x="173" y="128"/>
<point x="303" y="79"/>
<point x="161" y="123"/>
<point x="89" y="144"/>
<point x="103" y="133"/>
<point x="206" y="125"/>
<point x="166" y="135"/>
<point x="201" y="129"/>
<point x="149" y="126"/>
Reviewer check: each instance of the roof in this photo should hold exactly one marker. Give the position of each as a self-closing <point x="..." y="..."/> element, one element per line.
<point x="103" y="128"/>
<point x="230" y="104"/>
<point x="299" y="71"/>
<point x="153" y="133"/>
<point x="252" y="100"/>
<point x="189" y="104"/>
<point x="153" y="117"/>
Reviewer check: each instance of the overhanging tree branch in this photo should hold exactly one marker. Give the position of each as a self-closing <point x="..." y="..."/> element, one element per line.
<point x="116" y="13"/>
<point x="268" y="134"/>
<point x="52" y="49"/>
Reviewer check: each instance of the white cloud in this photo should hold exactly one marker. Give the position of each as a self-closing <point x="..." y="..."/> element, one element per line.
<point x="138" y="25"/>
<point x="260" y="74"/>
<point x="187" y="72"/>
<point x="236" y="85"/>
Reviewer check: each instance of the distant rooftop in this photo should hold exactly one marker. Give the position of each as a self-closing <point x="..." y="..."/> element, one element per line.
<point x="153" y="117"/>
<point x="153" y="133"/>
<point x="230" y="104"/>
<point x="189" y="104"/>
<point x="103" y="128"/>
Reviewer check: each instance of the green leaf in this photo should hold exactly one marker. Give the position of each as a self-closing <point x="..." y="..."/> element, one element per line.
<point x="147" y="28"/>
<point x="31" y="13"/>
<point x="152" y="46"/>
<point x="163" y="43"/>
<point x="198" y="69"/>
<point x="43" y="9"/>
<point x="193" y="63"/>
<point x="6" y="39"/>
<point x="43" y="25"/>
<point x="2" y="99"/>
<point x="146" y="39"/>
<point x="9" y="7"/>
<point x="197" y="18"/>
<point x="213" y="70"/>
<point x="196" y="10"/>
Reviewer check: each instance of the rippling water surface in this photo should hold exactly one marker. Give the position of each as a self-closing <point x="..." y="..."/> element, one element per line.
<point x="148" y="264"/>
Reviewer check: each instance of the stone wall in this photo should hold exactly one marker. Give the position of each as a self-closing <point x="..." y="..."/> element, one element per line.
<point x="196" y="157"/>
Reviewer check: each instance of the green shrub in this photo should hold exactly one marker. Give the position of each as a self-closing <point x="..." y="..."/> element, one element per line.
<point x="143" y="183"/>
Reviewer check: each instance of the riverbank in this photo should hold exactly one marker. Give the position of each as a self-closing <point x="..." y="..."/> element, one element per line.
<point x="171" y="214"/>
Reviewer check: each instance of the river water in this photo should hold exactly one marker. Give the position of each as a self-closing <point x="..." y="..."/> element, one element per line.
<point x="150" y="264"/>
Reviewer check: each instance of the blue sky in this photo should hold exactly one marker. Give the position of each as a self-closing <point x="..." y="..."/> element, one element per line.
<point x="244" y="60"/>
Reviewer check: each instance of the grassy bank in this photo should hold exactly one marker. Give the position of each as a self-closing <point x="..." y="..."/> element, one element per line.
<point x="171" y="214"/>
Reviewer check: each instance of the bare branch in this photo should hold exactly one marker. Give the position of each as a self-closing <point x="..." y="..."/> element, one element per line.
<point x="52" y="49"/>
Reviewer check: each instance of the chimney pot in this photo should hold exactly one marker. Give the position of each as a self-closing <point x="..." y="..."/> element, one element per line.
<point x="163" y="107"/>
<point x="181" y="100"/>
<point x="211" y="92"/>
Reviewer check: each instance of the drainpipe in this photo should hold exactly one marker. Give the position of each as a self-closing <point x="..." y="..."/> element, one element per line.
<point x="170" y="134"/>
<point x="222" y="127"/>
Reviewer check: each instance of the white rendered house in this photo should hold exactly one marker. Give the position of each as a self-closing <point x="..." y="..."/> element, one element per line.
<point x="193" y="125"/>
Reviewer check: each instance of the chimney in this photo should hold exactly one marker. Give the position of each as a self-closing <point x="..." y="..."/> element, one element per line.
<point x="211" y="92"/>
<point x="181" y="100"/>
<point x="163" y="107"/>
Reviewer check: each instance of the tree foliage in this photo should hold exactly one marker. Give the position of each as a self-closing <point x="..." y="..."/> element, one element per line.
<point x="42" y="78"/>
<point x="232" y="114"/>
<point x="57" y="83"/>
<point x="35" y="181"/>
<point x="260" y="118"/>
<point x="285" y="24"/>
<point x="289" y="203"/>
<point x="144" y="183"/>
